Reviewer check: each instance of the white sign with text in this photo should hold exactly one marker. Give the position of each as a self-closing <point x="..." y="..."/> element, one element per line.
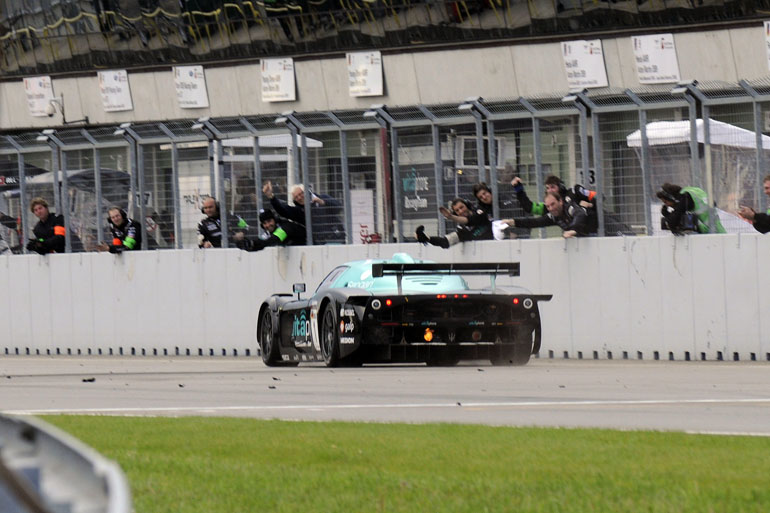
<point x="190" y="83"/>
<point x="116" y="93"/>
<point x="584" y="64"/>
<point x="365" y="74"/>
<point x="278" y="80"/>
<point x="39" y="93"/>
<point x="656" y="61"/>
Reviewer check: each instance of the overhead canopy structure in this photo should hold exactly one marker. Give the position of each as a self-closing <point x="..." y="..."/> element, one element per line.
<point x="676" y="132"/>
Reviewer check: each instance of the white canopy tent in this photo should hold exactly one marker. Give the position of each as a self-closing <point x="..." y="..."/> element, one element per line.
<point x="730" y="160"/>
<point x="675" y="132"/>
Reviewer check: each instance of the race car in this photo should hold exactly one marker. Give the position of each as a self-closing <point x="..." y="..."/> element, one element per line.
<point x="402" y="310"/>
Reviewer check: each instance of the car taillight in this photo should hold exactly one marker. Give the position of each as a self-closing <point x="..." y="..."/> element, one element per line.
<point x="428" y="335"/>
<point x="388" y="302"/>
<point x="515" y="301"/>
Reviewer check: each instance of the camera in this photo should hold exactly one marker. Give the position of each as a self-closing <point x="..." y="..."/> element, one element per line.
<point x="50" y="109"/>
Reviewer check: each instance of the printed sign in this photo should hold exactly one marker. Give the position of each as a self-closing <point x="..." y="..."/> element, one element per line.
<point x="278" y="80"/>
<point x="656" y="61"/>
<point x="116" y="93"/>
<point x="365" y="74"/>
<point x="584" y="64"/>
<point x="39" y="93"/>
<point x="190" y="83"/>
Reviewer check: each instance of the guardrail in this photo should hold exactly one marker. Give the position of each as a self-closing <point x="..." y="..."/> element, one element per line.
<point x="44" y="470"/>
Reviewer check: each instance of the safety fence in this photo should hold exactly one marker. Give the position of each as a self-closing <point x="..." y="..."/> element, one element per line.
<point x="54" y="36"/>
<point x="384" y="171"/>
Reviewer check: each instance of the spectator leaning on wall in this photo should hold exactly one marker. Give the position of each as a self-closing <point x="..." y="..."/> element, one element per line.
<point x="126" y="233"/>
<point x="472" y="225"/>
<point x="760" y="221"/>
<point x="569" y="216"/>
<point x="49" y="230"/>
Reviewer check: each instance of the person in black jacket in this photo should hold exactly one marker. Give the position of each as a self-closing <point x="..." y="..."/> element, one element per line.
<point x="326" y="226"/>
<point x="473" y="224"/>
<point x="570" y="216"/>
<point x="281" y="232"/>
<point x="126" y="233"/>
<point x="49" y="230"/>
<point x="760" y="221"/>
<point x="210" y="227"/>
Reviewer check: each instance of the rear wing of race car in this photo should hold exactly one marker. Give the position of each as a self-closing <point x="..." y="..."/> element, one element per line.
<point x="490" y="269"/>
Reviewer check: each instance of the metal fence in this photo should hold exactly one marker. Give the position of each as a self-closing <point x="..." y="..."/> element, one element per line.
<point x="388" y="169"/>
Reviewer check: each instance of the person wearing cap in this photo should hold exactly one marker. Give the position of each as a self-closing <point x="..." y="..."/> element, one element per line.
<point x="126" y="233"/>
<point x="760" y="221"/>
<point x="281" y="232"/>
<point x="686" y="209"/>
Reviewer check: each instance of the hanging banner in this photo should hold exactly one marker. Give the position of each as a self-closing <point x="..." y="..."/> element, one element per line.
<point x="190" y="83"/>
<point x="116" y="93"/>
<point x="365" y="74"/>
<point x="278" y="80"/>
<point x="584" y="64"/>
<point x="656" y="61"/>
<point x="39" y="94"/>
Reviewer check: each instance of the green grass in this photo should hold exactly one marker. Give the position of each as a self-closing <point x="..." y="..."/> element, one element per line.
<point x="213" y="465"/>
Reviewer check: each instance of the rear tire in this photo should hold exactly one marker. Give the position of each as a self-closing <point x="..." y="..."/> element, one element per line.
<point x="330" y="337"/>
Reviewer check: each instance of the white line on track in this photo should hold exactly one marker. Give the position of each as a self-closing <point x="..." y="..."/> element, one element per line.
<point x="322" y="407"/>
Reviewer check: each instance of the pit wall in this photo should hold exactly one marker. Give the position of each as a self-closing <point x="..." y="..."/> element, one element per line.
<point x="664" y="297"/>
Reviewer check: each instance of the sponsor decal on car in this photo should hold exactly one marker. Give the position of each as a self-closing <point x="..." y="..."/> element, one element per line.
<point x="300" y="330"/>
<point x="347" y="312"/>
<point x="347" y="340"/>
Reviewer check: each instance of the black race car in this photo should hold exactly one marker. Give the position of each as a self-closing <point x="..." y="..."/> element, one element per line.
<point x="402" y="310"/>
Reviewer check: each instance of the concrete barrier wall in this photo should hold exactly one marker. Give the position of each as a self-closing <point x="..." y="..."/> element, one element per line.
<point x="661" y="297"/>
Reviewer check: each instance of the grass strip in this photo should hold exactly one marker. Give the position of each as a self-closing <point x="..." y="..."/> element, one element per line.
<point x="213" y="465"/>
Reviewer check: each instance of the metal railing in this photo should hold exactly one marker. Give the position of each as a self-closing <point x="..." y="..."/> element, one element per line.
<point x="388" y="169"/>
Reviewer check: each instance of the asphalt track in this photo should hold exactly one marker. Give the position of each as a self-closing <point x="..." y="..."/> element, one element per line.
<point x="703" y="397"/>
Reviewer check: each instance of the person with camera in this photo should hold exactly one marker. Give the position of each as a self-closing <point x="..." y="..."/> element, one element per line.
<point x="126" y="232"/>
<point x="760" y="221"/>
<point x="686" y="210"/>
<point x="473" y="224"/>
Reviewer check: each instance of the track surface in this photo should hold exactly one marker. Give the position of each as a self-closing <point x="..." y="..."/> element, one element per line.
<point x="716" y="397"/>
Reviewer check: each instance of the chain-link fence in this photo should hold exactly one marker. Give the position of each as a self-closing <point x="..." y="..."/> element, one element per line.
<point x="376" y="175"/>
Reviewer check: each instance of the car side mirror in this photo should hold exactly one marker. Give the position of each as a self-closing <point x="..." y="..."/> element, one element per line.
<point x="298" y="288"/>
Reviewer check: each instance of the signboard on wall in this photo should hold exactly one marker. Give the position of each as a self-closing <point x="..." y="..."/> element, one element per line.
<point x="365" y="74"/>
<point x="116" y="93"/>
<point x="656" y="61"/>
<point x="584" y="64"/>
<point x="39" y="93"/>
<point x="278" y="80"/>
<point x="190" y="83"/>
